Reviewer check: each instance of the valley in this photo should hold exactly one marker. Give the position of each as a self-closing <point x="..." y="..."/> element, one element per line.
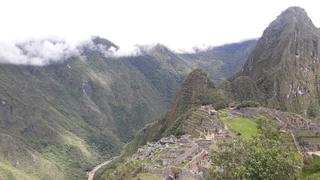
<point x="250" y="125"/>
<point x="187" y="156"/>
<point x="68" y="116"/>
<point x="245" y="110"/>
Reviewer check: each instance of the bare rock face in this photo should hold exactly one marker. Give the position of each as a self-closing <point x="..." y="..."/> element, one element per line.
<point x="285" y="62"/>
<point x="104" y="42"/>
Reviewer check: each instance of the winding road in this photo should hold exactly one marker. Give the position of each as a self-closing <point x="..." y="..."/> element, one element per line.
<point x="95" y="169"/>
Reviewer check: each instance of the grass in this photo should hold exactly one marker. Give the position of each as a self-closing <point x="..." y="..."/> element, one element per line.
<point x="7" y="171"/>
<point x="77" y="142"/>
<point x="188" y="178"/>
<point x="311" y="171"/>
<point x="183" y="163"/>
<point x="147" y="176"/>
<point x="246" y="127"/>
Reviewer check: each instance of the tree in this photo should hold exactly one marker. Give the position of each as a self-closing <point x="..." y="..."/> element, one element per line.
<point x="258" y="158"/>
<point x="313" y="110"/>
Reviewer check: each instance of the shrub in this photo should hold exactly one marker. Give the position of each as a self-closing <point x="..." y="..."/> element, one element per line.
<point x="244" y="104"/>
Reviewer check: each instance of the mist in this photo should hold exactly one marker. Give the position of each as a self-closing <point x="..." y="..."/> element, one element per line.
<point x="45" y="51"/>
<point x="36" y="52"/>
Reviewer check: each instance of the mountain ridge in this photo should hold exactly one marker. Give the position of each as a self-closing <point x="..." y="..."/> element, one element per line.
<point x="280" y="73"/>
<point x="59" y="119"/>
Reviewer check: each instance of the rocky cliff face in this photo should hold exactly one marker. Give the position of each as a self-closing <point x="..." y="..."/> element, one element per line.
<point x="285" y="62"/>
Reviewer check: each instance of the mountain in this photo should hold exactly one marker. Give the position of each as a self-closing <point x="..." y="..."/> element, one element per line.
<point x="58" y="120"/>
<point x="221" y="62"/>
<point x="199" y="119"/>
<point x="196" y="90"/>
<point x="282" y="70"/>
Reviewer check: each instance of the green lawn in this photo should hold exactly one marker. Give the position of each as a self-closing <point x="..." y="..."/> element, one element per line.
<point x="246" y="127"/>
<point x="311" y="171"/>
<point x="147" y="176"/>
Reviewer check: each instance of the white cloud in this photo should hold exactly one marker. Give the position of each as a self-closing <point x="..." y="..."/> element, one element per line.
<point x="36" y="52"/>
<point x="175" y="23"/>
<point x="39" y="52"/>
<point x="180" y="25"/>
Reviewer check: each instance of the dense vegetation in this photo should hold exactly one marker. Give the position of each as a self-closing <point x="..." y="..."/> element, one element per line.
<point x="66" y="117"/>
<point x="311" y="170"/>
<point x="257" y="158"/>
<point x="196" y="90"/>
<point x="58" y="120"/>
<point x="261" y="152"/>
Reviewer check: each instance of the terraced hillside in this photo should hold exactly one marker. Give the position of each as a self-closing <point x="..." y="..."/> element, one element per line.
<point x="186" y="156"/>
<point x="202" y="113"/>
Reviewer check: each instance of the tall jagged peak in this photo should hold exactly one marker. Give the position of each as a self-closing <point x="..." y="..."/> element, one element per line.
<point x="293" y="18"/>
<point x="295" y="13"/>
<point x="291" y="30"/>
<point x="195" y="85"/>
<point x="285" y="62"/>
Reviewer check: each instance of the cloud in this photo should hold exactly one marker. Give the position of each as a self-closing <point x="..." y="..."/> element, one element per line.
<point x="134" y="50"/>
<point x="109" y="49"/>
<point x="36" y="52"/>
<point x="41" y="52"/>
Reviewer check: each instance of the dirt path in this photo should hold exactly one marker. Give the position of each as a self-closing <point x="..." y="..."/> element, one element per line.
<point x="296" y="143"/>
<point x="95" y="169"/>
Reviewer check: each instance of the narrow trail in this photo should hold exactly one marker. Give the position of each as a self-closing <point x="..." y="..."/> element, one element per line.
<point x="95" y="169"/>
<point x="296" y="143"/>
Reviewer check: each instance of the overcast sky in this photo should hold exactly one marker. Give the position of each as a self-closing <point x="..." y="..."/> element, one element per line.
<point x="179" y="24"/>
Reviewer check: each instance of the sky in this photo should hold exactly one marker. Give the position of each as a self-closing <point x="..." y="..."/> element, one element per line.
<point x="178" y="24"/>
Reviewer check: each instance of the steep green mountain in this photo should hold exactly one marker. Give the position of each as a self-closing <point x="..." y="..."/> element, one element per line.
<point x="56" y="121"/>
<point x="200" y="118"/>
<point x="281" y="72"/>
<point x="196" y="90"/>
<point x="283" y="68"/>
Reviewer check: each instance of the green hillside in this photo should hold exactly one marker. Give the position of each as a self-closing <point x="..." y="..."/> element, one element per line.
<point x="57" y="121"/>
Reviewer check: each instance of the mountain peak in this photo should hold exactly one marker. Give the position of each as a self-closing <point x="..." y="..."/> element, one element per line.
<point x="293" y="15"/>
<point x="286" y="34"/>
<point x="160" y="48"/>
<point x="195" y="85"/>
<point x="96" y="40"/>
<point x="295" y="10"/>
<point x="286" y="60"/>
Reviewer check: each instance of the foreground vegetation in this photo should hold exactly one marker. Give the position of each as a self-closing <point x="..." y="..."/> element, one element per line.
<point x="259" y="153"/>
